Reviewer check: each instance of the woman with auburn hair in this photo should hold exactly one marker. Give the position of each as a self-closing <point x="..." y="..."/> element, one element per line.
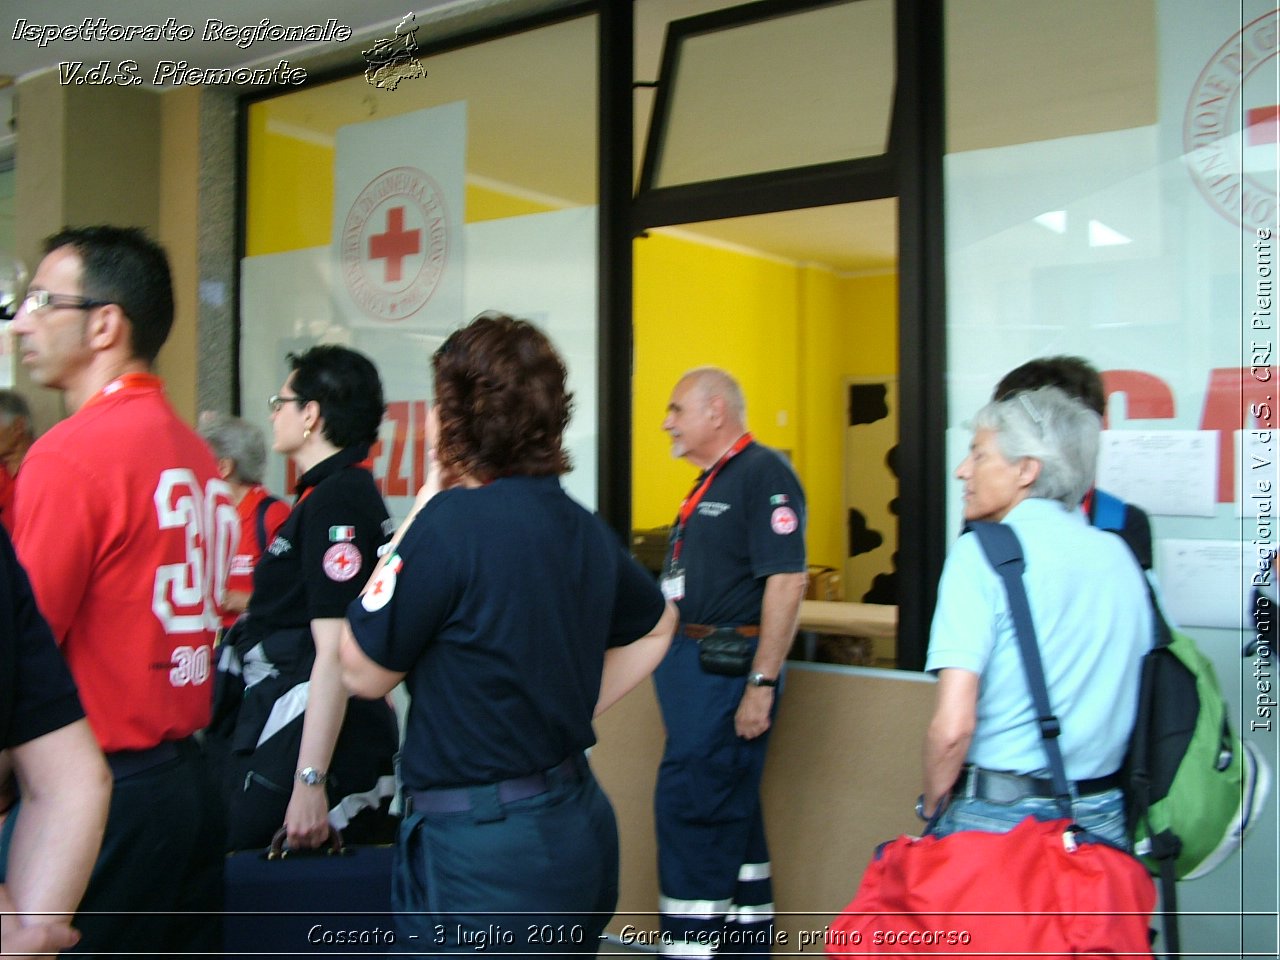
<point x="515" y="616"/>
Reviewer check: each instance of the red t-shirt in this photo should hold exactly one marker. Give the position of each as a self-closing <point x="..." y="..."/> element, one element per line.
<point x="247" y="554"/>
<point x="127" y="534"/>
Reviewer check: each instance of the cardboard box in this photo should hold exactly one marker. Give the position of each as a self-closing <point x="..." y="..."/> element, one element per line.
<point x="824" y="584"/>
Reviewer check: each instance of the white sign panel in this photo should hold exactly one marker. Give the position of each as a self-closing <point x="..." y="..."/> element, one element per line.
<point x="398" y="203"/>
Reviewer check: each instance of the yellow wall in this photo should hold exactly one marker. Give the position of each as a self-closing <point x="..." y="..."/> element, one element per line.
<point x="289" y="186"/>
<point x="485" y="203"/>
<point x="824" y="335"/>
<point x="871" y="305"/>
<point x="697" y="305"/>
<point x="790" y="334"/>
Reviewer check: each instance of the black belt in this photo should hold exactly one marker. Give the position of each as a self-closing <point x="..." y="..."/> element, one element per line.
<point x="461" y="799"/>
<point x="128" y="763"/>
<point x="700" y="631"/>
<point x="1002" y="787"/>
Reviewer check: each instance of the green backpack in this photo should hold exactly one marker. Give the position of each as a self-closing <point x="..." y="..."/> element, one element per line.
<point x="1194" y="786"/>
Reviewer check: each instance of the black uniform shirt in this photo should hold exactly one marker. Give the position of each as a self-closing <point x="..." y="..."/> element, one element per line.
<point x="499" y="605"/>
<point x="37" y="694"/>
<point x="323" y="553"/>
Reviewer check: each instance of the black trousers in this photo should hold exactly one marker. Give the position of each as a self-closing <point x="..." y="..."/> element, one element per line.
<point x="262" y="781"/>
<point x="160" y="866"/>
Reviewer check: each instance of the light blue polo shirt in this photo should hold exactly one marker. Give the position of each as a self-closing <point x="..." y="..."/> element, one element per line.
<point x="1092" y="617"/>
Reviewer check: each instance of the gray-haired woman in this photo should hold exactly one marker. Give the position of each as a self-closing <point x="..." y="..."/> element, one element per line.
<point x="1030" y="463"/>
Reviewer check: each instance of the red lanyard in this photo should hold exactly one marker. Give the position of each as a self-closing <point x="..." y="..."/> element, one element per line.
<point x="695" y="496"/>
<point x="127" y="381"/>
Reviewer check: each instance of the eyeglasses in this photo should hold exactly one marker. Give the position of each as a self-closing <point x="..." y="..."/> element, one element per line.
<point x="276" y="402"/>
<point x="37" y="300"/>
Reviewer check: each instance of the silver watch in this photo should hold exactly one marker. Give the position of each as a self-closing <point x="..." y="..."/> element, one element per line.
<point x="312" y="777"/>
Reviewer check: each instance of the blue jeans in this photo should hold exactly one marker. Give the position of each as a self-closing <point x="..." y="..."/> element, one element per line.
<point x="1102" y="814"/>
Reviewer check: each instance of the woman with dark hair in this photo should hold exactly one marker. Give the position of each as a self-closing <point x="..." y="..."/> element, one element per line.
<point x="515" y="616"/>
<point x="308" y="757"/>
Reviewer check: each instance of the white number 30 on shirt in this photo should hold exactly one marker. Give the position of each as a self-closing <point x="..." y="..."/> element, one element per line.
<point x="186" y="595"/>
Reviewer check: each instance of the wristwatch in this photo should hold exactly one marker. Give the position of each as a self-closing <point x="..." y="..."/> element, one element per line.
<point x="312" y="777"/>
<point x="920" y="808"/>
<point x="760" y="680"/>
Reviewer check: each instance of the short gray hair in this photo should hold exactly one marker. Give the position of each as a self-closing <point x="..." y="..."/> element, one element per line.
<point x="1053" y="428"/>
<point x="238" y="440"/>
<point x="714" y="382"/>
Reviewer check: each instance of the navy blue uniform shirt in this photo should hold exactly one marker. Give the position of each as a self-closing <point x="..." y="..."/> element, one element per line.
<point x="748" y="526"/>
<point x="499" y="605"/>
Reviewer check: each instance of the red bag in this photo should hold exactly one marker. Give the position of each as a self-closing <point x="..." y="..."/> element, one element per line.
<point x="1033" y="890"/>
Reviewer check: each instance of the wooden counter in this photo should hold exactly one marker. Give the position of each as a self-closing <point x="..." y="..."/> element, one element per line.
<point x="849" y="619"/>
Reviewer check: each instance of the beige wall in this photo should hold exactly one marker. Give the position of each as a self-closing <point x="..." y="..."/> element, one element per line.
<point x="842" y="776"/>
<point x="38" y="201"/>
<point x="178" y="191"/>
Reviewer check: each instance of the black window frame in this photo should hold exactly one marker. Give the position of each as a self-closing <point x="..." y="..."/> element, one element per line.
<point x="910" y="170"/>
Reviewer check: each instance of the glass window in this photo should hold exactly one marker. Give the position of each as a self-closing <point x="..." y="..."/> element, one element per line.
<point x="385" y="217"/>
<point x="1111" y="194"/>
<point x="733" y="89"/>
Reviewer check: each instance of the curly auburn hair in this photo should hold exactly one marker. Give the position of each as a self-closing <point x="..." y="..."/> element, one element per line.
<point x="502" y="400"/>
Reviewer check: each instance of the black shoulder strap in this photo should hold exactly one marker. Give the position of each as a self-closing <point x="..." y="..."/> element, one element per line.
<point x="1004" y="552"/>
<point x="1128" y="522"/>
<point x="1165" y="845"/>
<point x="261" y="515"/>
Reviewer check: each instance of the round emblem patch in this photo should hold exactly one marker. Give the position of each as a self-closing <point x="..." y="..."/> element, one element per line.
<point x="342" y="562"/>
<point x="1229" y="131"/>
<point x="784" y="521"/>
<point x="395" y="244"/>
<point x="379" y="593"/>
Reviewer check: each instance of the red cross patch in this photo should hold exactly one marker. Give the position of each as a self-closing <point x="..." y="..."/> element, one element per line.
<point x="342" y="561"/>
<point x="784" y="521"/>
<point x="384" y="585"/>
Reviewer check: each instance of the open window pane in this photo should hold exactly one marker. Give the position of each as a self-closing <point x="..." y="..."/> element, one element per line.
<point x="733" y="92"/>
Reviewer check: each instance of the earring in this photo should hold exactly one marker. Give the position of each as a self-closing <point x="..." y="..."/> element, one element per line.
<point x="306" y="434"/>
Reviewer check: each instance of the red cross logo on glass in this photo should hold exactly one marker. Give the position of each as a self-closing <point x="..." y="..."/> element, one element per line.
<point x="395" y="244"/>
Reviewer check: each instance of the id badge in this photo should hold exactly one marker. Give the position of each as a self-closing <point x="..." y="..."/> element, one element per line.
<point x="673" y="585"/>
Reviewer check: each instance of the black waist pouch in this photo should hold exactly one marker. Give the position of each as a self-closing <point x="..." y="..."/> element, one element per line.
<point x="726" y="653"/>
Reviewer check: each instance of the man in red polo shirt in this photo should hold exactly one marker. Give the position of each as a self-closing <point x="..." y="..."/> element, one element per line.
<point x="127" y="533"/>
